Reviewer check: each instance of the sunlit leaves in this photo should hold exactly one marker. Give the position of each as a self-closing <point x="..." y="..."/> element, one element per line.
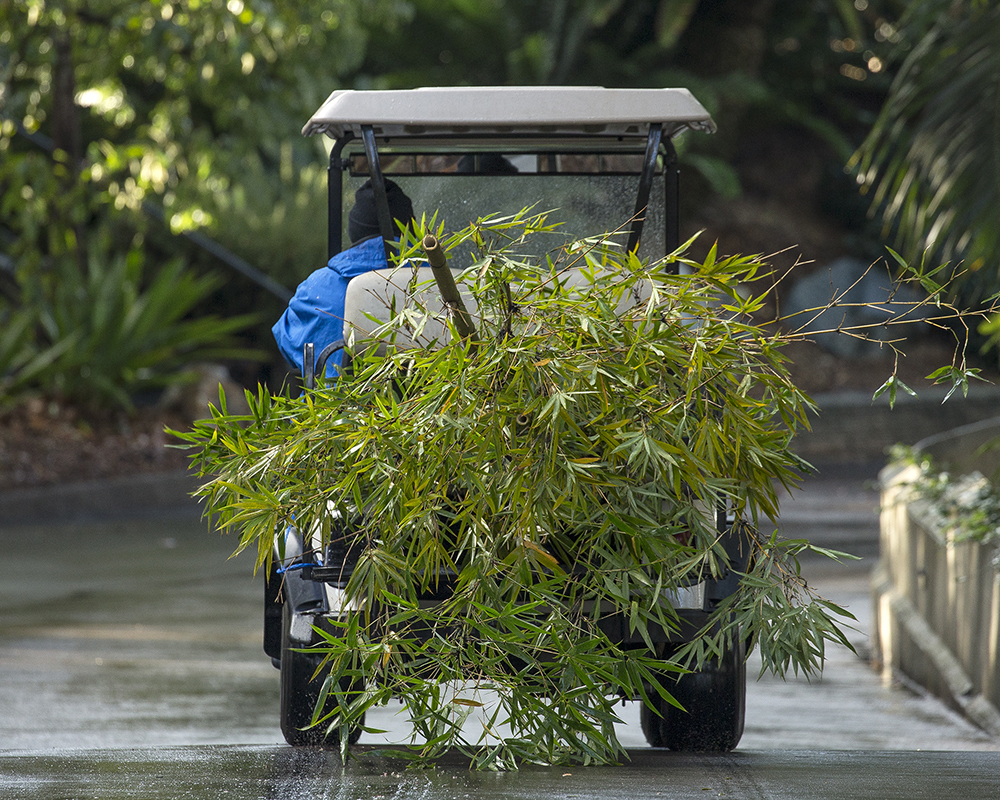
<point x="181" y="99"/>
<point x="563" y="472"/>
<point x="891" y="385"/>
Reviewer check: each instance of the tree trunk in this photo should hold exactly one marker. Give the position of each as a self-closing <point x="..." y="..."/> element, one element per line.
<point x="66" y="135"/>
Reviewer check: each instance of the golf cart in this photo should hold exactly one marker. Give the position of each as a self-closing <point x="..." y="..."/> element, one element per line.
<point x="605" y="158"/>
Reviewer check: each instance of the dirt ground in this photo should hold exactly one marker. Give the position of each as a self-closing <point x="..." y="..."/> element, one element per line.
<point x="43" y="443"/>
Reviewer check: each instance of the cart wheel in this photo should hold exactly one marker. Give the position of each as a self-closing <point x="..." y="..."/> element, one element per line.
<point x="299" y="693"/>
<point x="715" y="706"/>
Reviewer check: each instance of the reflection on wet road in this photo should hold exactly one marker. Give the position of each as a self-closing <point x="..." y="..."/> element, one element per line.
<point x="263" y="773"/>
<point x="131" y="634"/>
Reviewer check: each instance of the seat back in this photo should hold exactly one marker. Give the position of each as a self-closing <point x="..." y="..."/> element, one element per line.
<point x="372" y="296"/>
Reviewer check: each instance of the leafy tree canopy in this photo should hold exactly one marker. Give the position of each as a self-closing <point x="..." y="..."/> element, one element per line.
<point x="199" y="104"/>
<point x="193" y="109"/>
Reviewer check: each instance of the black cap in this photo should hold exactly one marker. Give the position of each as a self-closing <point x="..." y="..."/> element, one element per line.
<point x="363" y="219"/>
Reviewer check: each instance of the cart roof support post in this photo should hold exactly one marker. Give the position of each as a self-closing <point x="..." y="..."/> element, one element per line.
<point x="645" y="184"/>
<point x="335" y="197"/>
<point x="672" y="220"/>
<point x="385" y="223"/>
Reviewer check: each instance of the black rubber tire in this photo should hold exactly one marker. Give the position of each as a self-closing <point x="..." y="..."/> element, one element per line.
<point x="714" y="700"/>
<point x="299" y="694"/>
<point x="650" y="722"/>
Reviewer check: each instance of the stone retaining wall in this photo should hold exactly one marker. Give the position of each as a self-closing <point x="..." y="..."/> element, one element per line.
<point x="937" y="600"/>
<point x="851" y="427"/>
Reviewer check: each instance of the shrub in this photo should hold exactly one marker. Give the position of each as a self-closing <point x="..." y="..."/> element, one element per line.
<point x="95" y="337"/>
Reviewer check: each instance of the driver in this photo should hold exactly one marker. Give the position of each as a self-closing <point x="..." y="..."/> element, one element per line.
<point x="316" y="312"/>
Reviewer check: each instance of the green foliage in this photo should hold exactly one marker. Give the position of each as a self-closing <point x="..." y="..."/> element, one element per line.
<point x="803" y="63"/>
<point x="130" y="333"/>
<point x="95" y="337"/>
<point x="970" y="504"/>
<point x="190" y="106"/>
<point x="23" y="362"/>
<point x="100" y="313"/>
<point x="276" y="222"/>
<point x="91" y="315"/>
<point x="931" y="288"/>
<point x="182" y="89"/>
<point x="197" y="106"/>
<point x="930" y="161"/>
<point x="563" y="466"/>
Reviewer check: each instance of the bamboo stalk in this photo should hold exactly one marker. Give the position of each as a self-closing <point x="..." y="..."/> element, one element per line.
<point x="449" y="291"/>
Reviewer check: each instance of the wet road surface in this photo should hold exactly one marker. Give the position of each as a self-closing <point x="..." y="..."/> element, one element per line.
<point x="249" y="773"/>
<point x="131" y="666"/>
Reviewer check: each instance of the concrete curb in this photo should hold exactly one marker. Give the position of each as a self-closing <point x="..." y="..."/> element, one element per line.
<point x="133" y="497"/>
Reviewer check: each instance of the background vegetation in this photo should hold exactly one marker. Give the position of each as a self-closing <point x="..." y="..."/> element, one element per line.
<point x="931" y="163"/>
<point x="117" y="115"/>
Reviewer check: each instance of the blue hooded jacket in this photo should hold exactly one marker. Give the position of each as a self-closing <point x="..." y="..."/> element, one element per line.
<point x="316" y="312"/>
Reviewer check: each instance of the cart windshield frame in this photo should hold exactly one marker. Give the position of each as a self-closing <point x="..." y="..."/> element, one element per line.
<point x="556" y="126"/>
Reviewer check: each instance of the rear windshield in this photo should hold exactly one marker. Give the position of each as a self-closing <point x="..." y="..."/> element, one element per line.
<point x="588" y="194"/>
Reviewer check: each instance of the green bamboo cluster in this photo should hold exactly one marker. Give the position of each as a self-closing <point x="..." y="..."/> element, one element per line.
<point x="562" y="463"/>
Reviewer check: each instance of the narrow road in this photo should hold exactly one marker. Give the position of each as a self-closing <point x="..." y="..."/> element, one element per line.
<point x="130" y="666"/>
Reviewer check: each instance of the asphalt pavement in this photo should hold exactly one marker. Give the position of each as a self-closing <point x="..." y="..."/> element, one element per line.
<point x="130" y="666"/>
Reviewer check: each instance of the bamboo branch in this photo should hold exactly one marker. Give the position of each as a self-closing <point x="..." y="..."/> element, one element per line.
<point x="449" y="291"/>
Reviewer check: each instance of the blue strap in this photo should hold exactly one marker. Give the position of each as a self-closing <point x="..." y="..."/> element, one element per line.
<point x="300" y="565"/>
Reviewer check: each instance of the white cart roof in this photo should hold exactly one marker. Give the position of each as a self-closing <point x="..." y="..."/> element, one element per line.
<point x="492" y="110"/>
